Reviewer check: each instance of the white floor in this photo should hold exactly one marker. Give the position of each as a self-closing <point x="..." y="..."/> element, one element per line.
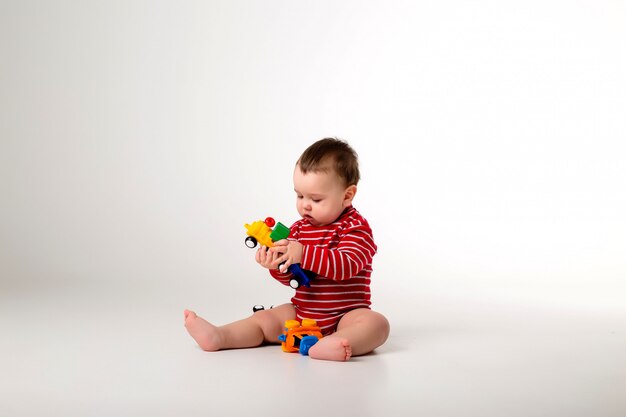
<point x="99" y="352"/>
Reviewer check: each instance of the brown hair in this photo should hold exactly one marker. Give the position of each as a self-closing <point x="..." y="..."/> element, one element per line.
<point x="331" y="154"/>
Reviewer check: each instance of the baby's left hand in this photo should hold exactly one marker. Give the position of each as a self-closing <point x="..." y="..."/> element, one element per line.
<point x="291" y="252"/>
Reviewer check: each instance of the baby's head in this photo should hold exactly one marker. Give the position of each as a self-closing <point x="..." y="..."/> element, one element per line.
<point x="325" y="180"/>
<point x="331" y="155"/>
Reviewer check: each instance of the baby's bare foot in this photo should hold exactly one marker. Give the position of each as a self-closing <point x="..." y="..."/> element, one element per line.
<point x="331" y="349"/>
<point x="204" y="333"/>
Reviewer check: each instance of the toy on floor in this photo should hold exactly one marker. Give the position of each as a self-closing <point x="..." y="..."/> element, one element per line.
<point x="262" y="232"/>
<point x="300" y="337"/>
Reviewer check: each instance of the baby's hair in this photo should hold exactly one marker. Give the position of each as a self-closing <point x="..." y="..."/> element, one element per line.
<point x="331" y="154"/>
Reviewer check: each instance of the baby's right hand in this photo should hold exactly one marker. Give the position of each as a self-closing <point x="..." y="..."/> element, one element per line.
<point x="266" y="258"/>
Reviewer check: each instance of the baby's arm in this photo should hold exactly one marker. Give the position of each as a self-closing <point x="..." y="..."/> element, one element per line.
<point x="282" y="277"/>
<point x="353" y="253"/>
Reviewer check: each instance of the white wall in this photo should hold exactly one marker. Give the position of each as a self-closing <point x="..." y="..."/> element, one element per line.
<point x="136" y="138"/>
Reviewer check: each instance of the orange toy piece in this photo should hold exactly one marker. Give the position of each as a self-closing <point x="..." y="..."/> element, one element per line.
<point x="299" y="337"/>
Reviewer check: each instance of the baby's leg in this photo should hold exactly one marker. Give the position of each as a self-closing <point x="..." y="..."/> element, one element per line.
<point x="262" y="326"/>
<point x="359" y="332"/>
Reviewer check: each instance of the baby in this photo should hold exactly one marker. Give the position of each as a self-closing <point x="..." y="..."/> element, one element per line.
<point x="334" y="242"/>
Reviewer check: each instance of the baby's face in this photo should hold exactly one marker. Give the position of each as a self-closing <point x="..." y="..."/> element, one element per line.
<point x="321" y="196"/>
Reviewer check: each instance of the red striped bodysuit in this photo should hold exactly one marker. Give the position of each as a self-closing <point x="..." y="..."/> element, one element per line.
<point x="340" y="254"/>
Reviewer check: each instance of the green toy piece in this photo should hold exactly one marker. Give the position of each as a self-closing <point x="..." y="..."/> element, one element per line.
<point x="280" y="232"/>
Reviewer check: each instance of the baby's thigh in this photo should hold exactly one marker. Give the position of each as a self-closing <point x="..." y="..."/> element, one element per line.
<point x="272" y="321"/>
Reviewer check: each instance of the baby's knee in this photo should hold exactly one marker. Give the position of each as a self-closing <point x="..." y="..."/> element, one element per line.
<point x="378" y="322"/>
<point x="383" y="325"/>
<point x="269" y="324"/>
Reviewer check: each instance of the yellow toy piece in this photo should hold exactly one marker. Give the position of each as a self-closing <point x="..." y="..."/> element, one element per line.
<point x="260" y="232"/>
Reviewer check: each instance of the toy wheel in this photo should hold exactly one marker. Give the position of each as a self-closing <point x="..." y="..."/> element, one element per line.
<point x="293" y="283"/>
<point x="251" y="242"/>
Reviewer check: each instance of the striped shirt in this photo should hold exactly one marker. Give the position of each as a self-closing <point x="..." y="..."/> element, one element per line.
<point x="340" y="254"/>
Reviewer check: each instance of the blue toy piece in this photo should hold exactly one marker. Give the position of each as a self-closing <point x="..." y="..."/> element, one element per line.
<point x="300" y="276"/>
<point x="306" y="343"/>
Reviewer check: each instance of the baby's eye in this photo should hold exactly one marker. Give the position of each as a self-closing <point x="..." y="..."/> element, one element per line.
<point x="316" y="200"/>
<point x="299" y="197"/>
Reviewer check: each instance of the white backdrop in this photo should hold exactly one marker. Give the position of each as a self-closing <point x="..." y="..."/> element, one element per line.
<point x="136" y="138"/>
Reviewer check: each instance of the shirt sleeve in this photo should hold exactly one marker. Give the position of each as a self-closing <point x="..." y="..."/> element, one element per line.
<point x="353" y="253"/>
<point x="283" y="278"/>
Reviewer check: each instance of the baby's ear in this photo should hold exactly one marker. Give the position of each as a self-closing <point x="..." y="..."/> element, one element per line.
<point x="348" y="195"/>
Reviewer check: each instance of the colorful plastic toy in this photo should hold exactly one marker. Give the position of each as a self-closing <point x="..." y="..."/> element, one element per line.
<point x="262" y="232"/>
<point x="299" y="337"/>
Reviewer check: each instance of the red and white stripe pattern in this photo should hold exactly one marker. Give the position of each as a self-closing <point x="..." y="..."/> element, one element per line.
<point x="341" y="255"/>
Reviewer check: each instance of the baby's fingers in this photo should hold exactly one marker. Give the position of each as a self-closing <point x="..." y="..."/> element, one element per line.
<point x="261" y="254"/>
<point x="282" y="242"/>
<point x="284" y="266"/>
<point x="278" y="249"/>
<point x="274" y="259"/>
